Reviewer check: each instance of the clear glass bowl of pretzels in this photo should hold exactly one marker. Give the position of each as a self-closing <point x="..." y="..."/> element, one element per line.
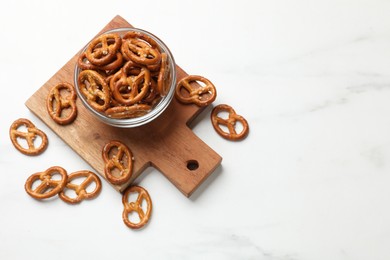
<point x="126" y="77"/>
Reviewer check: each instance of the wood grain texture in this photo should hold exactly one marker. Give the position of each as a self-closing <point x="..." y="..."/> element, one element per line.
<point x="167" y="143"/>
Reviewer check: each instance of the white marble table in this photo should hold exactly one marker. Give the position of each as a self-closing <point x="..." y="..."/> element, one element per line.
<point x="312" y="179"/>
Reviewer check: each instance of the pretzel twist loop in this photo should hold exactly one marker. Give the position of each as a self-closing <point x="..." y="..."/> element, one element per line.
<point x="102" y="50"/>
<point x="117" y="162"/>
<point x="195" y="93"/>
<point x="95" y="89"/>
<point x="48" y="186"/>
<point x="30" y="136"/>
<point x="230" y="123"/>
<point x="81" y="189"/>
<point x="57" y="103"/>
<point x="136" y="206"/>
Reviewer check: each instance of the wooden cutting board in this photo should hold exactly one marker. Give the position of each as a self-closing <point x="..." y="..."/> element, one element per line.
<point x="167" y="143"/>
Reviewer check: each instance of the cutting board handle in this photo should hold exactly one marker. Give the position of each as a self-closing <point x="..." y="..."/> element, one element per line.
<point x="188" y="162"/>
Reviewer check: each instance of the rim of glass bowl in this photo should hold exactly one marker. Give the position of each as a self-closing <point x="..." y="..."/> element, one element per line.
<point x="157" y="110"/>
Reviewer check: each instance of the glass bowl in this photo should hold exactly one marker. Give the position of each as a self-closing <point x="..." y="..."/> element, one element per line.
<point x="156" y="109"/>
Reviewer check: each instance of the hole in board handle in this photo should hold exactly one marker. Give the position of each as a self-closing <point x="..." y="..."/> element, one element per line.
<point x="192" y="165"/>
